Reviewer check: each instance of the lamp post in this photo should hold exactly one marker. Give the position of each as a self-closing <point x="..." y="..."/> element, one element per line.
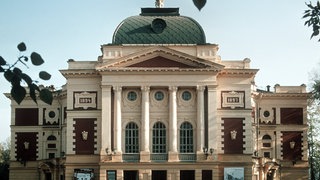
<point x="206" y="153"/>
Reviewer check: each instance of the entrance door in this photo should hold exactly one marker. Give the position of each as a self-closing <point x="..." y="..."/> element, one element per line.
<point x="131" y="175"/>
<point x="187" y="175"/>
<point x="159" y="175"/>
<point x="206" y="174"/>
<point x="48" y="176"/>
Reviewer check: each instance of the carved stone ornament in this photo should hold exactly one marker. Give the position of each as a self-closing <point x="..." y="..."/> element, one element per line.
<point x="266" y="115"/>
<point x="159" y="3"/>
<point x="232" y="99"/>
<point x="292" y="144"/>
<point x="84" y="135"/>
<point x="85" y="100"/>
<point x="233" y="134"/>
<point x="26" y="145"/>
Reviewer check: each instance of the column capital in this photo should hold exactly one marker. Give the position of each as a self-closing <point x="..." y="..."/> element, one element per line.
<point x="212" y="87"/>
<point x="145" y="88"/>
<point x="200" y="88"/>
<point x="117" y="88"/>
<point x="173" y="88"/>
<point x="106" y="87"/>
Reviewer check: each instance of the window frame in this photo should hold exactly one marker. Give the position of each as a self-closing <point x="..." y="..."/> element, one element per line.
<point x="131" y="138"/>
<point x="186" y="138"/>
<point x="159" y="138"/>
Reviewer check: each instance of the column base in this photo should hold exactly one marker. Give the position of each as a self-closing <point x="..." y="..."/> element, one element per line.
<point x="117" y="157"/>
<point x="173" y="157"/>
<point x="144" y="156"/>
<point x="201" y="156"/>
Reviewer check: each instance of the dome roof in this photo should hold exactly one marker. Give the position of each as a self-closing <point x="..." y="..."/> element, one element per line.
<point x="159" y="26"/>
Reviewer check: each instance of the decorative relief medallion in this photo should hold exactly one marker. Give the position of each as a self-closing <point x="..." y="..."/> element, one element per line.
<point x="186" y="97"/>
<point x="85" y="100"/>
<point x="159" y="98"/>
<point x="131" y="98"/>
<point x="232" y="99"/>
<point x="51" y="116"/>
<point x="266" y="115"/>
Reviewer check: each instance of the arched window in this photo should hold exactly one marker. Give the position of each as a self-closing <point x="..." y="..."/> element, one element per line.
<point x="186" y="138"/>
<point x="51" y="138"/>
<point x="159" y="138"/>
<point x="51" y="144"/>
<point x="266" y="137"/>
<point x="266" y="141"/>
<point x="132" y="138"/>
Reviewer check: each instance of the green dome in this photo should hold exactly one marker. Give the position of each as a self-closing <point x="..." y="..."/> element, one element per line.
<point x="159" y="26"/>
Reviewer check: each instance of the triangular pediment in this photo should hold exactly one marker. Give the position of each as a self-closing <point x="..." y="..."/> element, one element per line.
<point x="161" y="62"/>
<point x="159" y="57"/>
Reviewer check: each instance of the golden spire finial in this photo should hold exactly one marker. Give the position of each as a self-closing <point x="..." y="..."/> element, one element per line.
<point x="159" y="3"/>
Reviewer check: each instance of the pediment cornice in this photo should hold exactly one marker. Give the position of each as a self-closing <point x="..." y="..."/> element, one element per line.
<point x="192" y="62"/>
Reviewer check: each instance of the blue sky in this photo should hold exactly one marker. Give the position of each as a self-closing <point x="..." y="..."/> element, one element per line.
<point x="269" y="32"/>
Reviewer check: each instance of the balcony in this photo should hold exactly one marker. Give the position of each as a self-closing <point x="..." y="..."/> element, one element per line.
<point x="159" y="157"/>
<point x="188" y="157"/>
<point x="131" y="157"/>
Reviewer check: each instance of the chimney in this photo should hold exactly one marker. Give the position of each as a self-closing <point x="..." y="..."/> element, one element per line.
<point x="268" y="88"/>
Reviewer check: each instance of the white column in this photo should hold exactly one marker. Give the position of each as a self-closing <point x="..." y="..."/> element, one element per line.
<point x="105" y="119"/>
<point x="214" y="132"/>
<point x="173" y="119"/>
<point x="145" y="118"/>
<point x="117" y="117"/>
<point x="200" y="118"/>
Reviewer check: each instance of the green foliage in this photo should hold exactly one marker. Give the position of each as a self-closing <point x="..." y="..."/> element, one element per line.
<point x="15" y="76"/>
<point x="4" y="159"/>
<point x="316" y="90"/>
<point x="313" y="18"/>
<point x="313" y="140"/>
<point x="199" y="3"/>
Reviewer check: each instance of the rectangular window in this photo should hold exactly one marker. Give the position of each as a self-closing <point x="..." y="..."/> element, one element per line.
<point x="131" y="175"/>
<point x="51" y="145"/>
<point x="159" y="175"/>
<point x="206" y="174"/>
<point x="51" y="155"/>
<point x="266" y="154"/>
<point x="187" y="175"/>
<point x="266" y="144"/>
<point x="111" y="175"/>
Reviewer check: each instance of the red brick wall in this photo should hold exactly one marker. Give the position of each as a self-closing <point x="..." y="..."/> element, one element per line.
<point x="287" y="152"/>
<point x="26" y="116"/>
<point x="291" y="115"/>
<point x="26" y="154"/>
<point x="84" y="146"/>
<point x="233" y="146"/>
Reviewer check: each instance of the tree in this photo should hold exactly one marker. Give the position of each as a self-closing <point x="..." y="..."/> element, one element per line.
<point x="313" y="18"/>
<point x="4" y="159"/>
<point x="15" y="76"/>
<point x="314" y="144"/>
<point x="199" y="3"/>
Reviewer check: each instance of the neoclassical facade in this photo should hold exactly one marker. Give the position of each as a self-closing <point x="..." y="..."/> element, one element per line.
<point x="160" y="103"/>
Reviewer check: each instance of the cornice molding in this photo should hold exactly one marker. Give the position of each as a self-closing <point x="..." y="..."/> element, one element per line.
<point x="152" y="52"/>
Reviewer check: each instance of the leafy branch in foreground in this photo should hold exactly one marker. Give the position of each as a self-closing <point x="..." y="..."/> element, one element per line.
<point x="199" y="3"/>
<point x="15" y="76"/>
<point x="313" y="15"/>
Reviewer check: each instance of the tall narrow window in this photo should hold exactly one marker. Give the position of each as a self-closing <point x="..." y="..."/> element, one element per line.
<point x="159" y="138"/>
<point x="186" y="138"/>
<point x="132" y="138"/>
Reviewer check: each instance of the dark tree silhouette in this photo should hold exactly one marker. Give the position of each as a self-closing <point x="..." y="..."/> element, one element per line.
<point x="312" y="14"/>
<point x="15" y="76"/>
